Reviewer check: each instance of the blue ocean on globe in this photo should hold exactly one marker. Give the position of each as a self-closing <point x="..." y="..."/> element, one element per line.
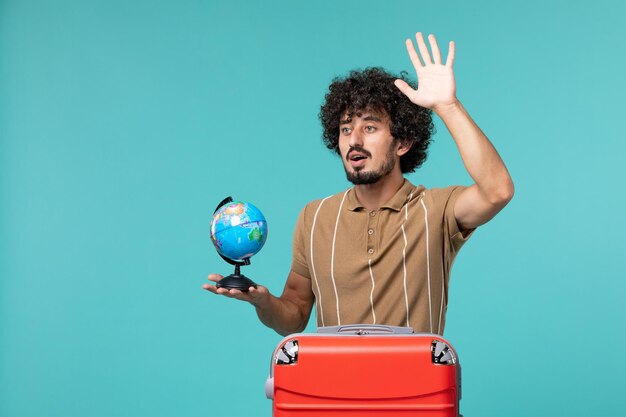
<point x="238" y="230"/>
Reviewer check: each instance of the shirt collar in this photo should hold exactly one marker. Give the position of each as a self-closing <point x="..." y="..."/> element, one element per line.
<point x="405" y="194"/>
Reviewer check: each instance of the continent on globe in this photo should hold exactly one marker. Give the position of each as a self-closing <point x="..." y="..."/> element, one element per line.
<point x="234" y="209"/>
<point x="255" y="234"/>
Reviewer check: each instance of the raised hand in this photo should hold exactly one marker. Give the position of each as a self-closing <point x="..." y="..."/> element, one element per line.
<point x="436" y="86"/>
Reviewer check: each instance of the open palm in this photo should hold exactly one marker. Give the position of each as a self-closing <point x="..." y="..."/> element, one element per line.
<point x="436" y="85"/>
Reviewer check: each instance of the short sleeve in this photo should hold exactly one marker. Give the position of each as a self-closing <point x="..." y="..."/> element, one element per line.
<point x="298" y="260"/>
<point x="456" y="236"/>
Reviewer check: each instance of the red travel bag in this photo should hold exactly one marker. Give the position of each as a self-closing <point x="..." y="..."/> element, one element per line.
<point x="364" y="370"/>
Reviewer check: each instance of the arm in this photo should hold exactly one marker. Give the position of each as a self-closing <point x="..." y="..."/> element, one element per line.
<point x="493" y="187"/>
<point x="286" y="314"/>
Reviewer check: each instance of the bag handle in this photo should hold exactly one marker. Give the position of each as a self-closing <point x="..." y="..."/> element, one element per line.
<point x="365" y="329"/>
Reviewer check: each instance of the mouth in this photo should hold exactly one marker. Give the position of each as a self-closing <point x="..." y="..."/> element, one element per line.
<point x="357" y="159"/>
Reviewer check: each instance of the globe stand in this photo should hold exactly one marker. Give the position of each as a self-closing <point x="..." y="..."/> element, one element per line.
<point x="236" y="280"/>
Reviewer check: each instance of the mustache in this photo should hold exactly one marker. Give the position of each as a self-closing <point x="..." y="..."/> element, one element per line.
<point x="358" y="149"/>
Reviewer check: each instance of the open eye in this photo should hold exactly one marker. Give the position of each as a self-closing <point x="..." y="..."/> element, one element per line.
<point x="346" y="130"/>
<point x="370" y="129"/>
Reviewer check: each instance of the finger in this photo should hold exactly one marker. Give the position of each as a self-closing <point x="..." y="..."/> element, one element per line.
<point x="402" y="85"/>
<point x="258" y="291"/>
<point x="259" y="296"/>
<point x="215" y="277"/>
<point x="413" y="54"/>
<point x="240" y="295"/>
<point x="435" y="48"/>
<point x="223" y="291"/>
<point x="451" y="50"/>
<point x="421" y="44"/>
<point x="210" y="288"/>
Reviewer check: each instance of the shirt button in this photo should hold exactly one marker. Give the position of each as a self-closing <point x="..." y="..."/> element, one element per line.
<point x="372" y="213"/>
<point x="370" y="232"/>
<point x="370" y="251"/>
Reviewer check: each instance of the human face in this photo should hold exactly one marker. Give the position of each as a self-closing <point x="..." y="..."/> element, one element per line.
<point x="367" y="149"/>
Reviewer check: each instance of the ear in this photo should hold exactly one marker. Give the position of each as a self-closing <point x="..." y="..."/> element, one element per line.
<point x="403" y="147"/>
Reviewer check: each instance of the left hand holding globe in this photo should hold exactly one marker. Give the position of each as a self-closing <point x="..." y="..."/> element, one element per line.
<point x="258" y="296"/>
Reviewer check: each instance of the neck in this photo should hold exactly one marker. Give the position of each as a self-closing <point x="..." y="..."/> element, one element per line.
<point x="372" y="196"/>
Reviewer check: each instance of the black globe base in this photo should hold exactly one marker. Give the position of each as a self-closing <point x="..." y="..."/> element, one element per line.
<point x="236" y="282"/>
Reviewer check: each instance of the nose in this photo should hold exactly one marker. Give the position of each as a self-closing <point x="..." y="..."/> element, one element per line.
<point x="356" y="138"/>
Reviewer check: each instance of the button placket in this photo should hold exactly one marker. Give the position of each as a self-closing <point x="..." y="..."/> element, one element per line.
<point x="371" y="227"/>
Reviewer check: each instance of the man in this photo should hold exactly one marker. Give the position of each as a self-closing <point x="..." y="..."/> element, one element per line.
<point x="381" y="252"/>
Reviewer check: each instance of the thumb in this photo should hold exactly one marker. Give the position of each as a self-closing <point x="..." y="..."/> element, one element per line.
<point x="404" y="87"/>
<point x="215" y="277"/>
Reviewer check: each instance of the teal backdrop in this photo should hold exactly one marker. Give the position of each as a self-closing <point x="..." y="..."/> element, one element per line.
<point x="123" y="124"/>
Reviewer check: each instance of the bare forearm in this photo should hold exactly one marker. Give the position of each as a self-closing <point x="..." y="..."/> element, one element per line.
<point x="281" y="315"/>
<point x="479" y="156"/>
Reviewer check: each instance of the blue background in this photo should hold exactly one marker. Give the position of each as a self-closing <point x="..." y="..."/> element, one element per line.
<point x="123" y="124"/>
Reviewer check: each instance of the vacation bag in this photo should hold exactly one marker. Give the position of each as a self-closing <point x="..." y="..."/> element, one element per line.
<point x="364" y="370"/>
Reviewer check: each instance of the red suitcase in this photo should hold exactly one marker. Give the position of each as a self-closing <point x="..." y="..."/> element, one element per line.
<point x="364" y="370"/>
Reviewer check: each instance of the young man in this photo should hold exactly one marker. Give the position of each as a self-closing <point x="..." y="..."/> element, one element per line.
<point x="381" y="252"/>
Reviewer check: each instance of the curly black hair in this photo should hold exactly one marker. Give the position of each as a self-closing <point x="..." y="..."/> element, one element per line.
<point x="373" y="89"/>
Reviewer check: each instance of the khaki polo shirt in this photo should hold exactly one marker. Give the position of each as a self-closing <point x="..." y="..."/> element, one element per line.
<point x="387" y="266"/>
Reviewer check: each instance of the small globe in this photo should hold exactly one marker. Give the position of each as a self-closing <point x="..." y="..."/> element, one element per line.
<point x="238" y="230"/>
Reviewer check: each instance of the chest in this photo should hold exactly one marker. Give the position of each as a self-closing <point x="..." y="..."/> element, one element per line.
<point x="369" y="235"/>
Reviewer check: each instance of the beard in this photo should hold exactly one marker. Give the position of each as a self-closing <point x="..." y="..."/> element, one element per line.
<point x="360" y="176"/>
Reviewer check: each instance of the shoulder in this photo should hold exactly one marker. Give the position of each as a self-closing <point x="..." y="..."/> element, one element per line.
<point x="443" y="197"/>
<point x="443" y="194"/>
<point x="331" y="201"/>
<point x="322" y="206"/>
